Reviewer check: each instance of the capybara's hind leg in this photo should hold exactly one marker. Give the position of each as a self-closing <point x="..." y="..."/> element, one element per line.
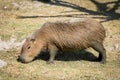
<point x="102" y="52"/>
<point x="52" y="51"/>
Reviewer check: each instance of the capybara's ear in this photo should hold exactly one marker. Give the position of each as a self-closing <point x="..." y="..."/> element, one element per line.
<point x="32" y="40"/>
<point x="27" y="39"/>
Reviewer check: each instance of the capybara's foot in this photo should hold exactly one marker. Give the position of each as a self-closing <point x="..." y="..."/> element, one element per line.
<point x="103" y="61"/>
<point x="99" y="60"/>
<point x="50" y="62"/>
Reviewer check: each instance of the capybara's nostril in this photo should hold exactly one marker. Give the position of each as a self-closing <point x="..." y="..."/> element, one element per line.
<point x="18" y="59"/>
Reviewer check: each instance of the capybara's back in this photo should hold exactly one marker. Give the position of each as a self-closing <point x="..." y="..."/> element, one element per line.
<point x="64" y="36"/>
<point x="74" y="35"/>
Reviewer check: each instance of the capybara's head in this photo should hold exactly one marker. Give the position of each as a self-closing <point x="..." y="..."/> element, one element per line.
<point x="29" y="51"/>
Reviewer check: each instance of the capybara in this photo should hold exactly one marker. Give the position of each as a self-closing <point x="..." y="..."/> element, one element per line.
<point x="64" y="36"/>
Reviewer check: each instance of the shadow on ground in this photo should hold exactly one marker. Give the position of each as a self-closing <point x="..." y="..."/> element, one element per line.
<point x="70" y="56"/>
<point x="102" y="9"/>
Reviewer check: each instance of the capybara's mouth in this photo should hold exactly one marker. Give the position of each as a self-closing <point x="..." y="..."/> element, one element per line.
<point x="23" y="60"/>
<point x="20" y="60"/>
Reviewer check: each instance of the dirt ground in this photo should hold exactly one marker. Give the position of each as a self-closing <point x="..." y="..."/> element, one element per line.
<point x="19" y="18"/>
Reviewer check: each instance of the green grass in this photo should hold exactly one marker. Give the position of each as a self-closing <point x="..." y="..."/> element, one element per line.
<point x="19" y="28"/>
<point x="72" y="70"/>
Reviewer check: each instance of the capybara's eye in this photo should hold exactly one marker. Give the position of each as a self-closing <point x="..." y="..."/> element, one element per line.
<point x="29" y="47"/>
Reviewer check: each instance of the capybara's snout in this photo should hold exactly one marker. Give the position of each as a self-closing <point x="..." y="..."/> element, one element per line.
<point x="24" y="59"/>
<point x="21" y="59"/>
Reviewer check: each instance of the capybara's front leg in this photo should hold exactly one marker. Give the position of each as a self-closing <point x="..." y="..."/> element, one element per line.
<point x="52" y="51"/>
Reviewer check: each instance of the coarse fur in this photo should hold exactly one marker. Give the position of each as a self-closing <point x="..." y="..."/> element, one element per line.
<point x="65" y="36"/>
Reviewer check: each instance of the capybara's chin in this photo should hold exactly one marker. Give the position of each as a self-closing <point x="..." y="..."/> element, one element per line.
<point x="24" y="60"/>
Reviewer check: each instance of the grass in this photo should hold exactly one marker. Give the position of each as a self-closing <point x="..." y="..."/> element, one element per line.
<point x="18" y="27"/>
<point x="71" y="70"/>
<point x="66" y="66"/>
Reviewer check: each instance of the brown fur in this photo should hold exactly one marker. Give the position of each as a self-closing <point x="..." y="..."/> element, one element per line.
<point x="66" y="36"/>
<point x="77" y="35"/>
